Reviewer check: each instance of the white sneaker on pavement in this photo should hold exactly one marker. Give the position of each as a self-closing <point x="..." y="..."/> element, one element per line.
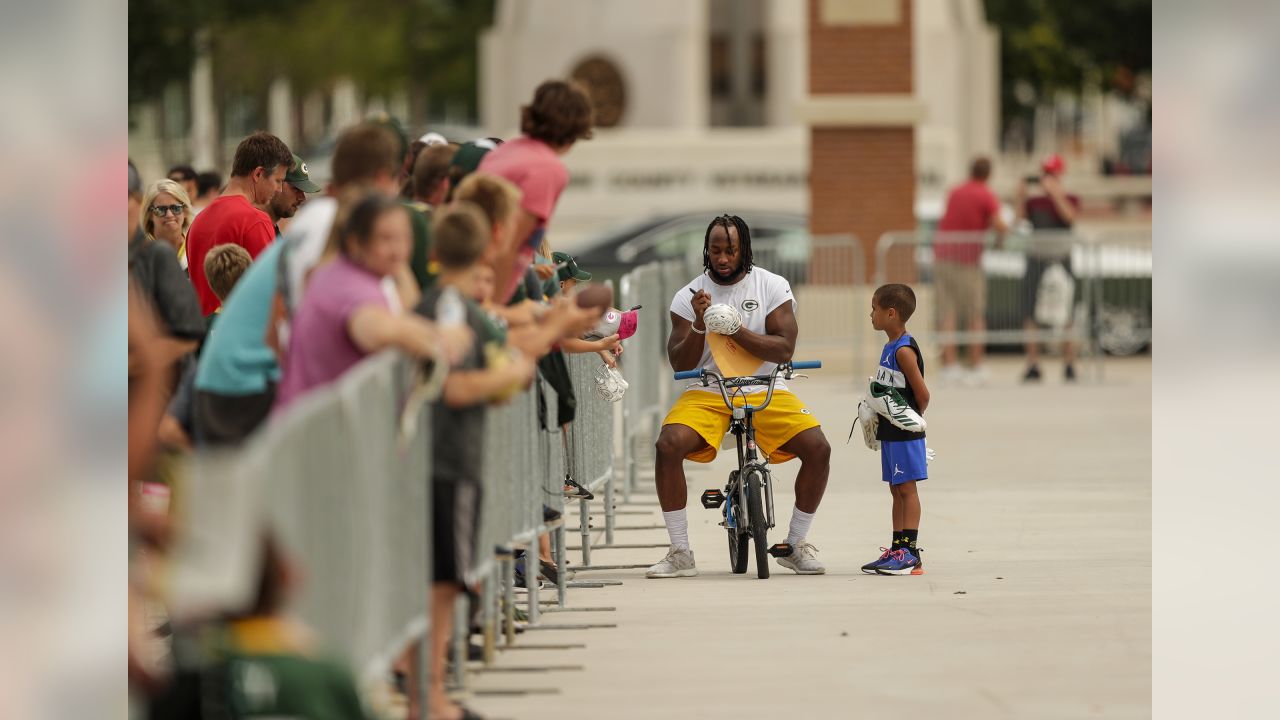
<point x="977" y="377"/>
<point x="952" y="375"/>
<point x="802" y="561"/>
<point x="677" y="563"/>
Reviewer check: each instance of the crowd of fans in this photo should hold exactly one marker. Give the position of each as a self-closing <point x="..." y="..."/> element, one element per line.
<point x="248" y="296"/>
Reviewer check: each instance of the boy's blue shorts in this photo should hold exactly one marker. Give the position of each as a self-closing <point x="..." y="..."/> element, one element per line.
<point x="903" y="461"/>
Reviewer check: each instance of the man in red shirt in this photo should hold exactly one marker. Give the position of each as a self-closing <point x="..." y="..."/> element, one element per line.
<point x="257" y="174"/>
<point x="957" y="250"/>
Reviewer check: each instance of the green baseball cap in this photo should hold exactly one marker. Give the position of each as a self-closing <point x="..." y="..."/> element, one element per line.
<point x="300" y="178"/>
<point x="469" y="155"/>
<point x="569" y="267"/>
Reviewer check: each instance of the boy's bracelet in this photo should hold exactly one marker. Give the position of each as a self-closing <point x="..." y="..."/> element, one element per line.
<point x="695" y="329"/>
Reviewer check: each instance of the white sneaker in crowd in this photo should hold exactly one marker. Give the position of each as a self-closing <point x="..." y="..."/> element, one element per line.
<point x="802" y="561"/>
<point x="677" y="563"/>
<point x="977" y="377"/>
<point x="952" y="375"/>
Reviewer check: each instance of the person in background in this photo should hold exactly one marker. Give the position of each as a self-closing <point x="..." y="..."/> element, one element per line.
<point x="186" y="176"/>
<point x="487" y="373"/>
<point x="167" y="216"/>
<point x="429" y="186"/>
<point x="559" y="115"/>
<point x="257" y="174"/>
<point x="1053" y="208"/>
<point x="278" y="668"/>
<point x="208" y="187"/>
<point x="224" y="265"/>
<point x="972" y="209"/>
<point x="466" y="158"/>
<point x="284" y="204"/>
<point x="240" y="364"/>
<point x="161" y="283"/>
<point x="345" y="315"/>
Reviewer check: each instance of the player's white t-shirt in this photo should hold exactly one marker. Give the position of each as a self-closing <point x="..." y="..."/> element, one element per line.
<point x="757" y="294"/>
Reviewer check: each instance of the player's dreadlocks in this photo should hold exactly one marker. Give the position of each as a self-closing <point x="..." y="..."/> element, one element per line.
<point x="744" y="240"/>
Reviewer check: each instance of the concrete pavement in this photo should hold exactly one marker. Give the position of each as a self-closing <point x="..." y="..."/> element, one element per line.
<point x="1036" y="602"/>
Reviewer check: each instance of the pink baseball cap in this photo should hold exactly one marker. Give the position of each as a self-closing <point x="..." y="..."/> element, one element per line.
<point x="627" y="326"/>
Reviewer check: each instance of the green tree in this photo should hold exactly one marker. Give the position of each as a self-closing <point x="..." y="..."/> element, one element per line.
<point x="429" y="45"/>
<point x="1056" y="45"/>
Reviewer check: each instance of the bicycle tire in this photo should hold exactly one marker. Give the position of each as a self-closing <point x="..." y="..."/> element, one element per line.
<point x="759" y="526"/>
<point x="738" y="550"/>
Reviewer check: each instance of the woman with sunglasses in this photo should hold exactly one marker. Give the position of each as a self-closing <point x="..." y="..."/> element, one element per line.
<point x="156" y="271"/>
<point x="168" y="216"/>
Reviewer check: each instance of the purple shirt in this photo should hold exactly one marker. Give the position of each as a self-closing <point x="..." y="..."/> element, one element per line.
<point x="320" y="349"/>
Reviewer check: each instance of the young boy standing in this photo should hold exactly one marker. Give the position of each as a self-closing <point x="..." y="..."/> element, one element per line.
<point x="902" y="452"/>
<point x="460" y="233"/>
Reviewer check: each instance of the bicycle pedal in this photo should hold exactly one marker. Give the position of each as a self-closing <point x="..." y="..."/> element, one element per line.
<point x="712" y="498"/>
<point x="781" y="550"/>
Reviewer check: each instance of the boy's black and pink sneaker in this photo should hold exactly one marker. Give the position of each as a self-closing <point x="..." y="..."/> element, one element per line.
<point x="900" y="562"/>
<point x="870" y="568"/>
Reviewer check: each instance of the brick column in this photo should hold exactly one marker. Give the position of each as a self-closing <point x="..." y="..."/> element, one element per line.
<point x="862" y="115"/>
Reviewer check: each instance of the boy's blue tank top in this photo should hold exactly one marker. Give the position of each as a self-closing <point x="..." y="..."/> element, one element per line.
<point x="889" y="373"/>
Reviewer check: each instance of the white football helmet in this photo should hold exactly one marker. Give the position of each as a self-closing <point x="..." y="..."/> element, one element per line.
<point x="722" y="319"/>
<point x="610" y="385"/>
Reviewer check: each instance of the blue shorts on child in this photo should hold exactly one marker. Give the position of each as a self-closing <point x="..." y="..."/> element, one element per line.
<point x="903" y="461"/>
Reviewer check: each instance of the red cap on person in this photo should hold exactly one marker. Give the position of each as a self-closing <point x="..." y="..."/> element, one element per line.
<point x="1053" y="164"/>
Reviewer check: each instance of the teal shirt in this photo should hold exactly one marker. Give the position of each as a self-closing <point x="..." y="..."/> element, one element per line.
<point x="236" y="360"/>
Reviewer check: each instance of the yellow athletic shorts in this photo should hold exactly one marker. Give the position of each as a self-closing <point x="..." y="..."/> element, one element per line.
<point x="707" y="414"/>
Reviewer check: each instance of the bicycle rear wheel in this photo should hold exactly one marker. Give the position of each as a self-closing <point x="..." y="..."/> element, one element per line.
<point x="759" y="528"/>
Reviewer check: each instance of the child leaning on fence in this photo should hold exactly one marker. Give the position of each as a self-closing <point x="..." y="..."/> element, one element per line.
<point x="487" y="373"/>
<point x="897" y="398"/>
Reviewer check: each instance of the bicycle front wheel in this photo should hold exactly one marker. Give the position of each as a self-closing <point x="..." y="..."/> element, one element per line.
<point x="759" y="527"/>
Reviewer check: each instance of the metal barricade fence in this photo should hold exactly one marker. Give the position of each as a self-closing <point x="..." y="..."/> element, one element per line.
<point x="590" y="445"/>
<point x="523" y="467"/>
<point x="828" y="283"/>
<point x="1089" y="290"/>
<point x="344" y="496"/>
<point x="350" y="498"/>
<point x="1121" y="262"/>
<point x="643" y="363"/>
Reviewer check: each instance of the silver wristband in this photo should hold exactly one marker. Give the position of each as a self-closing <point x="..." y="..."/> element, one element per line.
<point x="700" y="332"/>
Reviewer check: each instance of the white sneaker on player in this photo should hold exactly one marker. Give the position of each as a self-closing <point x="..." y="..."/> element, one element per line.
<point x="802" y="561"/>
<point x="677" y="563"/>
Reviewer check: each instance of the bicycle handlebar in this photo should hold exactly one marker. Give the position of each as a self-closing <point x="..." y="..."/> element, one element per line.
<point x="785" y="369"/>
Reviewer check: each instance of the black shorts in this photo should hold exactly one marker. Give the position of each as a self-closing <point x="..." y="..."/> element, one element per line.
<point x="1031" y="281"/>
<point x="455" y="528"/>
<point x="229" y="419"/>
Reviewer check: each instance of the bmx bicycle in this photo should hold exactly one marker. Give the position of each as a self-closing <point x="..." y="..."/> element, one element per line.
<point x="746" y="502"/>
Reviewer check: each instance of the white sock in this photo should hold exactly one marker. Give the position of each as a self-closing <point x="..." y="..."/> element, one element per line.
<point x="678" y="528"/>
<point x="800" y="521"/>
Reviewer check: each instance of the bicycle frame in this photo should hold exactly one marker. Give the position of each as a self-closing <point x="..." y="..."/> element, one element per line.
<point x="742" y="425"/>
<point x="744" y="514"/>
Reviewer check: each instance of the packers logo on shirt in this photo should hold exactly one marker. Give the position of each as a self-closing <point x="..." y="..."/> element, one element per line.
<point x="749" y="305"/>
